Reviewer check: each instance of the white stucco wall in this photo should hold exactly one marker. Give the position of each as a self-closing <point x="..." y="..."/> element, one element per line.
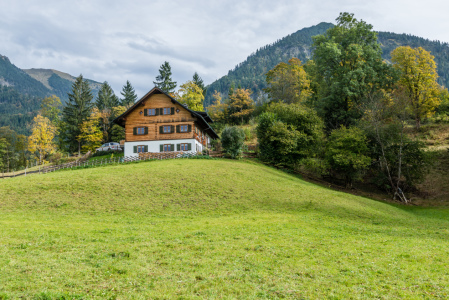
<point x="154" y="146"/>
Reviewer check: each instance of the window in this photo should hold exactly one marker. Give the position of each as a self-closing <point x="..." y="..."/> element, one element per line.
<point x="140" y="149"/>
<point x="151" y="111"/>
<point x="167" y="129"/>
<point x="184" y="147"/>
<point x="140" y="130"/>
<point x="167" y="110"/>
<point x="168" y="147"/>
<point x="184" y="128"/>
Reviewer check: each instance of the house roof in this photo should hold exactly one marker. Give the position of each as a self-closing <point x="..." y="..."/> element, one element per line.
<point x="203" y="117"/>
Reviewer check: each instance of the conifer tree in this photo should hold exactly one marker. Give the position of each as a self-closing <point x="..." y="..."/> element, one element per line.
<point x="129" y="95"/>
<point x="199" y="82"/>
<point x="164" y="80"/>
<point x="106" y="98"/>
<point x="77" y="109"/>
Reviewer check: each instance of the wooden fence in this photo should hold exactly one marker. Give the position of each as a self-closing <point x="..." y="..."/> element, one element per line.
<point x="46" y="169"/>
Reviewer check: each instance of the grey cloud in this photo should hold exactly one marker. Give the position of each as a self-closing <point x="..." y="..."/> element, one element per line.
<point x="118" y="40"/>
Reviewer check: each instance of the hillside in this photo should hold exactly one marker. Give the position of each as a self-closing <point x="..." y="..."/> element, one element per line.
<point x="13" y="77"/>
<point x="21" y="92"/>
<point x="251" y="72"/>
<point x="218" y="229"/>
<point x="59" y="83"/>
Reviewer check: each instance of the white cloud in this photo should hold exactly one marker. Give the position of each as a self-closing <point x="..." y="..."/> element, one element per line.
<point x="122" y="40"/>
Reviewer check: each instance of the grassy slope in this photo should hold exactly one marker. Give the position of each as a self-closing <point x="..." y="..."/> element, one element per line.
<point x="212" y="229"/>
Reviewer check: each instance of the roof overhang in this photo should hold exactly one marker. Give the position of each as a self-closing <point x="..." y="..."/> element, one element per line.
<point x="203" y="117"/>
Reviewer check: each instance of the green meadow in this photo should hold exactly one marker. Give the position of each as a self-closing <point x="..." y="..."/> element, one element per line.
<point x="212" y="229"/>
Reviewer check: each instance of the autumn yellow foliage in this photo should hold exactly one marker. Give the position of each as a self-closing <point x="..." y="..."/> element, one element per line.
<point x="40" y="141"/>
<point x="418" y="78"/>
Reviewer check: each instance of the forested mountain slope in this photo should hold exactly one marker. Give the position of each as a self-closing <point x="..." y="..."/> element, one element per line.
<point x="251" y="72"/>
<point x="59" y="83"/>
<point x="21" y="92"/>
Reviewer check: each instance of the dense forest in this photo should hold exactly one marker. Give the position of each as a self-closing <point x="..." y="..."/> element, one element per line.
<point x="250" y="74"/>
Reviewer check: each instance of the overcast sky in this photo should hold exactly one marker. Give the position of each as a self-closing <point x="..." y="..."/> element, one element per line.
<point x="116" y="40"/>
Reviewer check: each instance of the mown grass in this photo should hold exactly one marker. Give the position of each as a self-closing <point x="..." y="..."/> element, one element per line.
<point x="211" y="229"/>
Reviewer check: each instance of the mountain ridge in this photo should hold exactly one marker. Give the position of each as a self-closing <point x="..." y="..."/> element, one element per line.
<point x="21" y="92"/>
<point x="251" y="72"/>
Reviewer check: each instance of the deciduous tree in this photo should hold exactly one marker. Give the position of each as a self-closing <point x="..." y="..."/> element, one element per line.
<point x="241" y="105"/>
<point x="349" y="68"/>
<point x="218" y="111"/>
<point x="191" y="95"/>
<point x="418" y="76"/>
<point x="40" y="141"/>
<point x="51" y="109"/>
<point x="3" y="146"/>
<point x="91" y="134"/>
<point x="288" y="83"/>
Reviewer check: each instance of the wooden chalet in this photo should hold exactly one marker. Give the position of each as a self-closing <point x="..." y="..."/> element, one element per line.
<point x="159" y="123"/>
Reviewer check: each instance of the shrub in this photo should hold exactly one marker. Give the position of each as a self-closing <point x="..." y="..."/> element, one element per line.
<point x="101" y="153"/>
<point x="232" y="139"/>
<point x="288" y="133"/>
<point x="347" y="153"/>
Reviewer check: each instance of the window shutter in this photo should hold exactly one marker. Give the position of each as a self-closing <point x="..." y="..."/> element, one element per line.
<point x="172" y="129"/>
<point x="190" y="128"/>
<point x="177" y="129"/>
<point x="161" y="148"/>
<point x="189" y="146"/>
<point x="135" y="149"/>
<point x="161" y="129"/>
<point x="145" y="112"/>
<point x="146" y="130"/>
<point x="172" y="110"/>
<point x="172" y="147"/>
<point x="156" y="112"/>
<point x="161" y="111"/>
<point x="178" y="147"/>
<point x="134" y="130"/>
<point x="145" y="148"/>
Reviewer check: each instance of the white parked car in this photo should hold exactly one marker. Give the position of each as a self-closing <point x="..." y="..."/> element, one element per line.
<point x="110" y="147"/>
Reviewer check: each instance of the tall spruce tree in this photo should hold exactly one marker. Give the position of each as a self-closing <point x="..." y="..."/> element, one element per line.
<point x="106" y="98"/>
<point x="129" y="95"/>
<point x="163" y="80"/>
<point x="199" y="82"/>
<point x="76" y="111"/>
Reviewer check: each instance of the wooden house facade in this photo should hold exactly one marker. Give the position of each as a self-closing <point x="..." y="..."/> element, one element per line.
<point x="159" y="123"/>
